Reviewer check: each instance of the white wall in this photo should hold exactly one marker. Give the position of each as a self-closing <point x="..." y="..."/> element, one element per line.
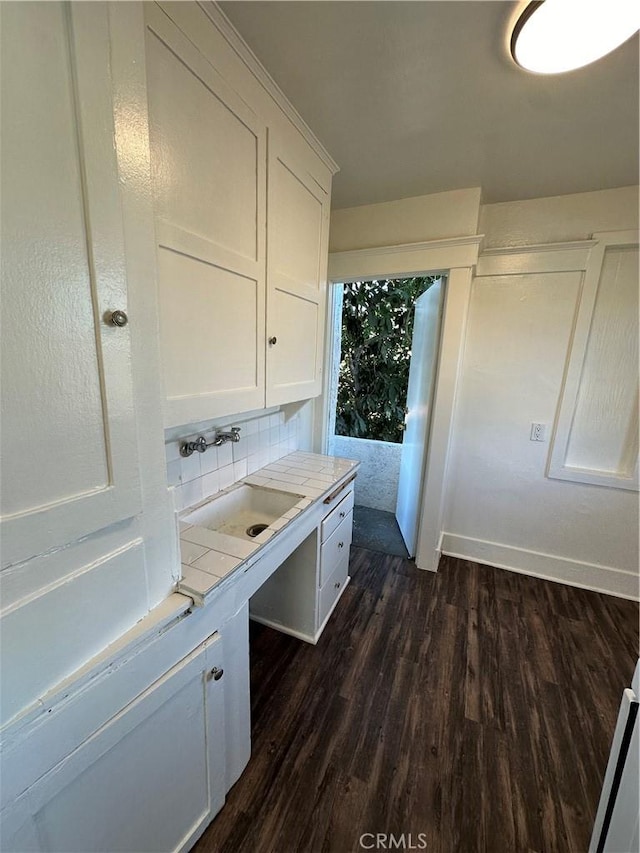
<point x="559" y="218"/>
<point x="501" y="508"/>
<point x="408" y="220"/>
<point x="377" y="480"/>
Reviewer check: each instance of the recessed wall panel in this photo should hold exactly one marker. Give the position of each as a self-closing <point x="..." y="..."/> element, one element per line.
<point x="296" y="259"/>
<point x="604" y="432"/>
<point x="209" y="322"/>
<point x="294" y="357"/>
<point x="51" y="451"/>
<point x="204" y="155"/>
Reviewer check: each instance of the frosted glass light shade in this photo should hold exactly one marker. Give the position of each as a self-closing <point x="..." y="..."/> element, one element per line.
<point x="559" y="35"/>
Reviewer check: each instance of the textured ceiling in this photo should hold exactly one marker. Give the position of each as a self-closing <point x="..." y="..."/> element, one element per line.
<point x="420" y="97"/>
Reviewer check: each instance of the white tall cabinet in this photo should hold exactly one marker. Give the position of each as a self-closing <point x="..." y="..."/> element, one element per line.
<point x="144" y="262"/>
<point x="75" y="572"/>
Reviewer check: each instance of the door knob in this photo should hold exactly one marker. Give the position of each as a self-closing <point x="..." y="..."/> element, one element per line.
<point x="216" y="673"/>
<point x="118" y="318"/>
<point x="273" y="341"/>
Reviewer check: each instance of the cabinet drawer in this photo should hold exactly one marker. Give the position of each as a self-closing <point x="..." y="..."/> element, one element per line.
<point x="333" y="588"/>
<point x="337" y="514"/>
<point x="335" y="548"/>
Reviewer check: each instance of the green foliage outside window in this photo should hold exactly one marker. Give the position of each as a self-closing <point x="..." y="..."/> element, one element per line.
<point x="377" y="325"/>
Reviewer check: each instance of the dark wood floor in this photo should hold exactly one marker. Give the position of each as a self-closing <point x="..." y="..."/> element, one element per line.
<point x="475" y="706"/>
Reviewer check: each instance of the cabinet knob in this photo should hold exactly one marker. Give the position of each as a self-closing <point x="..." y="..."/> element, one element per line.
<point x="216" y="673"/>
<point x="337" y="585"/>
<point x="273" y="341"/>
<point x="118" y="318"/>
<point x="342" y="515"/>
<point x="340" y="544"/>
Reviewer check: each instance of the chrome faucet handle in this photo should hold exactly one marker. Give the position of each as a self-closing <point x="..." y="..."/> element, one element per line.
<point x="189" y="447"/>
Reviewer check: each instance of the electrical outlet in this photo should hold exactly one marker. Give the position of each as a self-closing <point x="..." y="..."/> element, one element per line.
<point x="538" y="432"/>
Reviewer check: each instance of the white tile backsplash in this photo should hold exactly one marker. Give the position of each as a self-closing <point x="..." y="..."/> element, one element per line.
<point x="253" y="463"/>
<point x="254" y="443"/>
<point x="240" y="449"/>
<point x="210" y="483"/>
<point x="188" y="494"/>
<point x="209" y="460"/>
<point x="239" y="470"/>
<point x="190" y="467"/>
<point x="174" y="472"/>
<point x="225" y="455"/>
<point x="251" y="427"/>
<point x="263" y="439"/>
<point x="226" y="477"/>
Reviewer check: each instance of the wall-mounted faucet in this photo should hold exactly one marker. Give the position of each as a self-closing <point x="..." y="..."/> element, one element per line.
<point x="200" y="443"/>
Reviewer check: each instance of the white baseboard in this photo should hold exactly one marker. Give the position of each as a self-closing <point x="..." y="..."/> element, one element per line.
<point x="560" y="569"/>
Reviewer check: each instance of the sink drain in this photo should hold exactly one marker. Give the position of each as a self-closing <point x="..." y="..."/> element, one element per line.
<point x="255" y="529"/>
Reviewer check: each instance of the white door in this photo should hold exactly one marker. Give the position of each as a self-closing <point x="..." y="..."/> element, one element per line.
<point x="208" y="168"/>
<point x="69" y="451"/>
<point x="422" y="374"/>
<point x="298" y="215"/>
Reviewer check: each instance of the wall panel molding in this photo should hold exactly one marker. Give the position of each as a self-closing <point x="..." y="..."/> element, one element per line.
<point x="406" y="259"/>
<point x="595" y="439"/>
<point x="543" y="257"/>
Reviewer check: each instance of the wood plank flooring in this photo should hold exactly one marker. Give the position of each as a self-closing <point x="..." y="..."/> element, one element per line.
<point x="472" y="709"/>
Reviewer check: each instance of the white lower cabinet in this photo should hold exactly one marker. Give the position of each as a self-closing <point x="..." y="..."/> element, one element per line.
<point x="150" y="779"/>
<point x="300" y="596"/>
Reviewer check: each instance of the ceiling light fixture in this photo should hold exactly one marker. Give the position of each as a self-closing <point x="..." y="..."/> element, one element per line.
<point x="552" y="36"/>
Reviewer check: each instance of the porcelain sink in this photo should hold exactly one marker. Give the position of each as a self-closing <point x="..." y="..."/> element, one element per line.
<point x="243" y="512"/>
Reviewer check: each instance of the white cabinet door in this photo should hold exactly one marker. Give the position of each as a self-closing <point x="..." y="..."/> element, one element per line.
<point x="68" y="444"/>
<point x="298" y="218"/>
<point x="151" y="779"/>
<point x="208" y="159"/>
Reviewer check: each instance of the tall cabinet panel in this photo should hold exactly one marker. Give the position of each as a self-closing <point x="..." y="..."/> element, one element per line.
<point x="298" y="212"/>
<point x="69" y="456"/>
<point x="208" y="156"/>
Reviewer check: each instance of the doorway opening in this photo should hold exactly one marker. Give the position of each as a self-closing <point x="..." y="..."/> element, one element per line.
<point x="385" y="343"/>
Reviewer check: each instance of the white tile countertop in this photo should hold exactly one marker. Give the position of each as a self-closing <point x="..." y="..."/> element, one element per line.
<point x="208" y="556"/>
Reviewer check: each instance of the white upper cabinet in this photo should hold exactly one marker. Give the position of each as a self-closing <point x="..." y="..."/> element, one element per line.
<point x="235" y="267"/>
<point x="69" y="455"/>
<point x="209" y="178"/>
<point x="298" y="211"/>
